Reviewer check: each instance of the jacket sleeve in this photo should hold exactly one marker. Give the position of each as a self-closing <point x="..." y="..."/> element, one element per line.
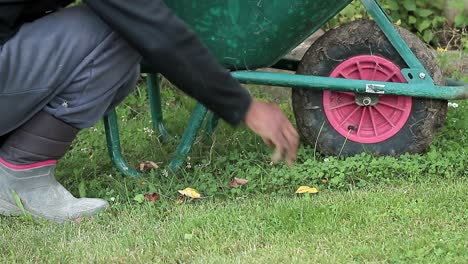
<point x="172" y="49"/>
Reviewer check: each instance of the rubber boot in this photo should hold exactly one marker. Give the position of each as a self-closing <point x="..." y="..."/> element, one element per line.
<point x="27" y="164"/>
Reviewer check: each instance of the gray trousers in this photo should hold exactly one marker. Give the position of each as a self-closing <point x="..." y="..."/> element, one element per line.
<point x="69" y="64"/>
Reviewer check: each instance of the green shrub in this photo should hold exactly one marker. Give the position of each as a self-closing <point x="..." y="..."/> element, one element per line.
<point x="422" y="17"/>
<point x="425" y="18"/>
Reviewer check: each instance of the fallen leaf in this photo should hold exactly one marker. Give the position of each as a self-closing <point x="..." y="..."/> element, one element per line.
<point x="139" y="198"/>
<point x="180" y="199"/>
<point x="147" y="166"/>
<point x="238" y="182"/>
<point x="142" y="182"/>
<point x="152" y="197"/>
<point x="190" y="192"/>
<point x="306" y="189"/>
<point x="78" y="219"/>
<point x="442" y="50"/>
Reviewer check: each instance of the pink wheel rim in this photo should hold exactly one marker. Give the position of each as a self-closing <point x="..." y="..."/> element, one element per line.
<point x="373" y="123"/>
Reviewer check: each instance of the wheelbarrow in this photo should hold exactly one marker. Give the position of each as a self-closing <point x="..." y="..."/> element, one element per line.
<point x="367" y="86"/>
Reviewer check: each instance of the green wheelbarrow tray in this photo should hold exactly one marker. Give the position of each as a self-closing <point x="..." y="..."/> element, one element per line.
<point x="248" y="35"/>
<point x="255" y="34"/>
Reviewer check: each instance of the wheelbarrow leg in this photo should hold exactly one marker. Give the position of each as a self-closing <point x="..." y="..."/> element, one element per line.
<point x="154" y="94"/>
<point x="190" y="134"/>
<point x="113" y="145"/>
<point x="211" y="124"/>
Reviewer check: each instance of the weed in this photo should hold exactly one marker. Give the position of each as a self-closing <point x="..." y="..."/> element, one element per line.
<point x="237" y="152"/>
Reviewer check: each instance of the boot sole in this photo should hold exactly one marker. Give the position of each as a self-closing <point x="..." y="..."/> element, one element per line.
<point x="8" y="209"/>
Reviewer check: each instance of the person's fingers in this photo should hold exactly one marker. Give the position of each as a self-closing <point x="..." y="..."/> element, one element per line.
<point x="280" y="147"/>
<point x="293" y="130"/>
<point x="269" y="122"/>
<point x="293" y="143"/>
<point x="276" y="157"/>
<point x="268" y="142"/>
<point x="294" y="135"/>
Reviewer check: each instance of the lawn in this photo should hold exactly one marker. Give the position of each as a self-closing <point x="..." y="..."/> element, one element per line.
<point x="412" y="222"/>
<point x="369" y="209"/>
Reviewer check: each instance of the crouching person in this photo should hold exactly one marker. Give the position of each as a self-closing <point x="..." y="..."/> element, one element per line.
<point x="63" y="69"/>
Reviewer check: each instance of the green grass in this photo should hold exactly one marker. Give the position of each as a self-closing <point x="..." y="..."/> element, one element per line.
<point x="370" y="209"/>
<point x="412" y="223"/>
<point x="407" y="209"/>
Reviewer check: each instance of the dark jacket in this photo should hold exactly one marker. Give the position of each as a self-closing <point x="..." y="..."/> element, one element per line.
<point x="13" y="13"/>
<point x="164" y="41"/>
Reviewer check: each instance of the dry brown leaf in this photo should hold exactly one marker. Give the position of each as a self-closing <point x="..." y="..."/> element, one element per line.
<point x="147" y="166"/>
<point x="238" y="182"/>
<point x="180" y="199"/>
<point x="152" y="197"/>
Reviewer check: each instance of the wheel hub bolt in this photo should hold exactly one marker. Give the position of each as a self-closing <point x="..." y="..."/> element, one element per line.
<point x="422" y="75"/>
<point x="366" y="101"/>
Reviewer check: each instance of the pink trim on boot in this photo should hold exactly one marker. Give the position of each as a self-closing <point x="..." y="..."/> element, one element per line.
<point x="29" y="166"/>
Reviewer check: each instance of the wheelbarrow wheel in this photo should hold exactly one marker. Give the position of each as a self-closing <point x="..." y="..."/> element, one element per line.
<point x="347" y="123"/>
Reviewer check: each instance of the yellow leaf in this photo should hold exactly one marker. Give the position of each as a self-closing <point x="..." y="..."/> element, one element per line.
<point x="398" y="23"/>
<point x="442" y="50"/>
<point x="190" y="192"/>
<point x="306" y="189"/>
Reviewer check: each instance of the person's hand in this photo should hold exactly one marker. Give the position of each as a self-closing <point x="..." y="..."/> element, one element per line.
<point x="269" y="122"/>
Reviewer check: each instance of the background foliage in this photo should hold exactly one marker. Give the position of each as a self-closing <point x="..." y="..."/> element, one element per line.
<point x="425" y="18"/>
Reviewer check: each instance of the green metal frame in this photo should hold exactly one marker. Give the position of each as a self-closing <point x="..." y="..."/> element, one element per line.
<point x="417" y="89"/>
<point x="154" y="94"/>
<point x="113" y="145"/>
<point x="384" y="22"/>
<point x="420" y="84"/>
<point x="185" y="145"/>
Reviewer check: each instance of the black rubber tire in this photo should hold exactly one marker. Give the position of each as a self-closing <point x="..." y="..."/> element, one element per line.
<point x="364" y="38"/>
